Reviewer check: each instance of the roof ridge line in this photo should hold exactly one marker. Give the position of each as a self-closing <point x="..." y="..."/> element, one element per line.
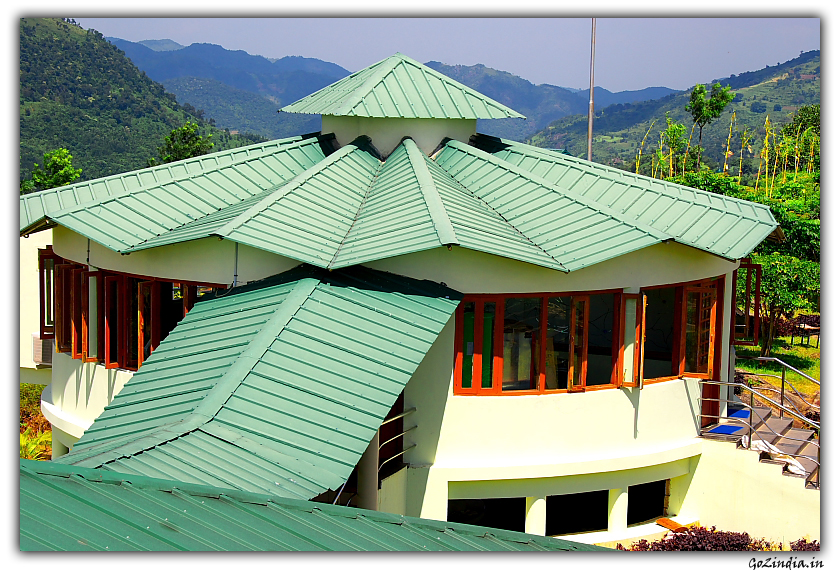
<point x="464" y="88"/>
<point x="366" y="87"/>
<point x="434" y="204"/>
<point x="588" y="202"/>
<point x="158" y="183"/>
<point x="217" y="395"/>
<point x="284" y="189"/>
<point x="372" y="183"/>
<point x="641" y="177"/>
<point x="505" y="220"/>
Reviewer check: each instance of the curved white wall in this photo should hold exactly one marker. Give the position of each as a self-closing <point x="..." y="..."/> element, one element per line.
<point x="386" y="133"/>
<point x="208" y="260"/>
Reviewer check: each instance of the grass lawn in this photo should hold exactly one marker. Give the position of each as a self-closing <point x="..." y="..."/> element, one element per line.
<point x="805" y="358"/>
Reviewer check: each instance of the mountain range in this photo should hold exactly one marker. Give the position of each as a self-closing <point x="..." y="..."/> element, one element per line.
<point x="223" y="84"/>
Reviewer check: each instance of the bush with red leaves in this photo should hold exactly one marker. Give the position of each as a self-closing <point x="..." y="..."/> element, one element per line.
<point x="803" y="545"/>
<point x="701" y="538"/>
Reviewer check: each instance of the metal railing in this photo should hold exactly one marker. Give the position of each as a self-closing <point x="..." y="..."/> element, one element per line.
<point x="382" y="444"/>
<point x="785" y="367"/>
<point x="755" y="420"/>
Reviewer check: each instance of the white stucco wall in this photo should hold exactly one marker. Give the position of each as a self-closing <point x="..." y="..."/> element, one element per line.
<point x="29" y="306"/>
<point x="471" y="271"/>
<point x="539" y="445"/>
<point x="386" y="133"/>
<point x="729" y="487"/>
<point x="208" y="260"/>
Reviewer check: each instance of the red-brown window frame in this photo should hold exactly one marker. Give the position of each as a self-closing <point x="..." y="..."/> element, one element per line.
<point x="76" y="296"/>
<point x="47" y="331"/>
<point x="622" y="326"/>
<point x="100" y="317"/>
<point x="63" y="298"/>
<point x="117" y="327"/>
<point x="680" y="317"/>
<point x="498" y="343"/>
<point x="753" y="269"/>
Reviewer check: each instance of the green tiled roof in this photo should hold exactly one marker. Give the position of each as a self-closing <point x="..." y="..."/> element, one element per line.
<point x="336" y="209"/>
<point x="69" y="508"/>
<point x="400" y="87"/>
<point x="276" y="387"/>
<point x="725" y="226"/>
<point x="123" y="210"/>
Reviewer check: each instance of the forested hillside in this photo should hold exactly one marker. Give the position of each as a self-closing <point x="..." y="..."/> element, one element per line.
<point x="774" y="93"/>
<point x="79" y="92"/>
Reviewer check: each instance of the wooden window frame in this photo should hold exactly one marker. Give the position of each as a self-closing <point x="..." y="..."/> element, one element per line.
<point x="100" y="317"/>
<point x="63" y="307"/>
<point x="46" y="294"/>
<point x="680" y="319"/>
<point x="498" y="344"/>
<point x="154" y="312"/>
<point x="702" y="287"/>
<point x="634" y="381"/>
<point x="117" y="302"/>
<point x="753" y="269"/>
<point x="76" y="296"/>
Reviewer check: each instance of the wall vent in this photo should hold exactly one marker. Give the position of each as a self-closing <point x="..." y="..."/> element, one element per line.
<point x="42" y="350"/>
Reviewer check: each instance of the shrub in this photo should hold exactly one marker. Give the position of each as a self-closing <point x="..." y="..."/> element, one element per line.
<point x="803" y="545"/>
<point x="35" y="445"/>
<point x="706" y="539"/>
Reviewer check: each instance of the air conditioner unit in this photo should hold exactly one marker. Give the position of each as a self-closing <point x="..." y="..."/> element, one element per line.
<point x="42" y="350"/>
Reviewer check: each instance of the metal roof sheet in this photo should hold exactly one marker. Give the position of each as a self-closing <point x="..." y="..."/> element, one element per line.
<point x="189" y="190"/>
<point x="35" y="206"/>
<point x="351" y="208"/>
<point x="70" y="508"/>
<point x="276" y="387"/>
<point x="400" y="87"/>
<point x="725" y="226"/>
<point x="574" y="230"/>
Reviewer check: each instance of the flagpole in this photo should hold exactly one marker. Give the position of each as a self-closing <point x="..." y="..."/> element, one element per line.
<point x="591" y="93"/>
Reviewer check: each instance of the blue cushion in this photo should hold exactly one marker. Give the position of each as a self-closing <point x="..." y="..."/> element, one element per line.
<point x="727" y="430"/>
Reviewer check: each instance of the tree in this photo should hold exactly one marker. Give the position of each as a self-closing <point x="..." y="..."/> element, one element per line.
<point x="183" y="142"/>
<point x="704" y="110"/>
<point x="57" y="171"/>
<point x="788" y="284"/>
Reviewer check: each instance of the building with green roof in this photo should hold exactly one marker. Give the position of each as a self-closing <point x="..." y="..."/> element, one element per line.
<point x="402" y="315"/>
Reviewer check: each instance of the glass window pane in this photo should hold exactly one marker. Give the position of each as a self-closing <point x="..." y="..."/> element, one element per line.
<point x="49" y="267"/>
<point x="467" y="347"/>
<point x="557" y="343"/>
<point x="521" y="343"/>
<point x="112" y="301"/>
<point x="599" y="356"/>
<point x="629" y="339"/>
<point x="659" y="332"/>
<point x="487" y="345"/>
<point x="578" y="340"/>
<point x="92" y="318"/>
<point x="698" y="330"/>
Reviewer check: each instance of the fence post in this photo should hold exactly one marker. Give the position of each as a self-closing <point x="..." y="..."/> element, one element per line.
<point x="750" y="428"/>
<point x="782" y="397"/>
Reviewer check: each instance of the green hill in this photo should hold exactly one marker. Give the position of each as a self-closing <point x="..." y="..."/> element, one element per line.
<point x="79" y="92"/>
<point x="237" y="109"/>
<point x="618" y="130"/>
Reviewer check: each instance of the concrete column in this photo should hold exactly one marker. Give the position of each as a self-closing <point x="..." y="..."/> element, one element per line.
<point x="535" y="515"/>
<point x="368" y="476"/>
<point x="58" y="448"/>
<point x="617" y="510"/>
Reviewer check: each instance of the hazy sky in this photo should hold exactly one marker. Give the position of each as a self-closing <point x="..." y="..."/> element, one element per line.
<point x="630" y="53"/>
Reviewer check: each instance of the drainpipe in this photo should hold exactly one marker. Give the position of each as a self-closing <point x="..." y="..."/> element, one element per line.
<point x="591" y="94"/>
